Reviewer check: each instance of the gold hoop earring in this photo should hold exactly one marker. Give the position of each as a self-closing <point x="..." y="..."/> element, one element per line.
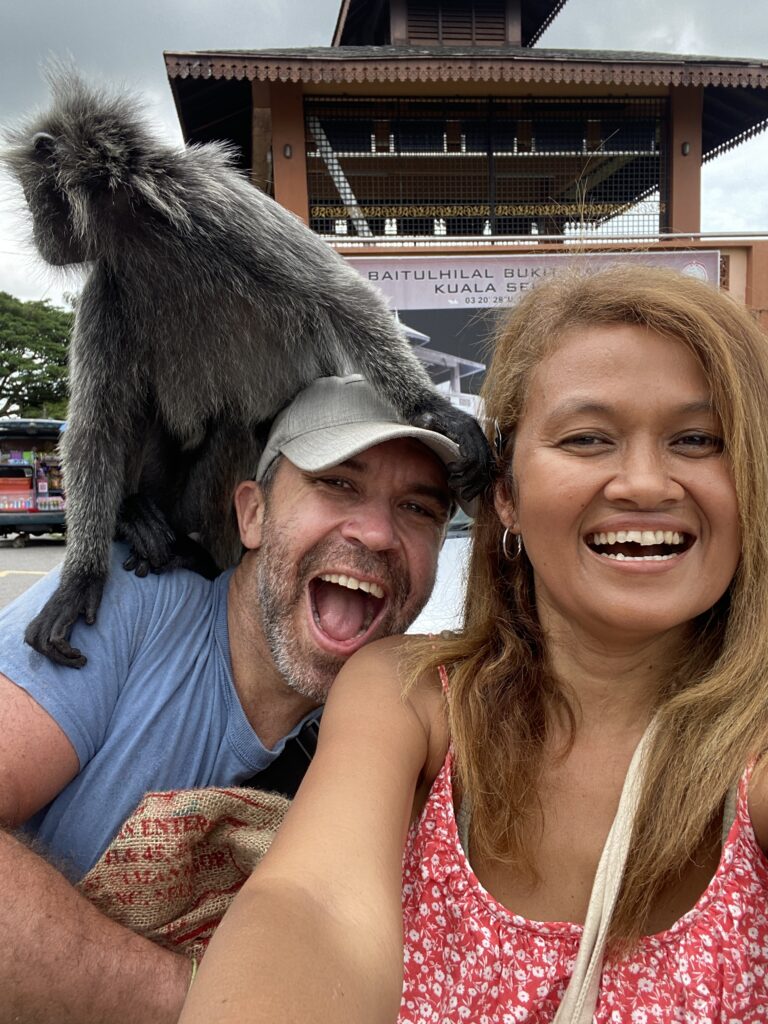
<point x="519" y="540"/>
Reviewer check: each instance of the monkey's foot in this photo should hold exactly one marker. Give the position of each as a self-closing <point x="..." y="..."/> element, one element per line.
<point x="49" y="631"/>
<point x="186" y="553"/>
<point x="189" y="553"/>
<point x="155" y="546"/>
<point x="144" y="527"/>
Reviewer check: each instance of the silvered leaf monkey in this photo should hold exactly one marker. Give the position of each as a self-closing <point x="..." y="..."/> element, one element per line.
<point x="206" y="307"/>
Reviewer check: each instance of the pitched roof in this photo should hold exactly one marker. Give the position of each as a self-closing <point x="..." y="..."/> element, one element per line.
<point x="357" y="18"/>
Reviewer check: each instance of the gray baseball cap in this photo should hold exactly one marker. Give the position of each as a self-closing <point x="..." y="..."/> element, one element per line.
<point x="335" y="418"/>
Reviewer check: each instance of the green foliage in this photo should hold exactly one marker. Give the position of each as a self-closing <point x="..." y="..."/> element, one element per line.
<point x="34" y="337"/>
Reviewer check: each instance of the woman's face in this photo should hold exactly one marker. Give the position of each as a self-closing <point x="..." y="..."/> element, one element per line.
<point x="622" y="495"/>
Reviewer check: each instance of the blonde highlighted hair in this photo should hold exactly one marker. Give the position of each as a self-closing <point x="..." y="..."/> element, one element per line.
<point x="714" y="706"/>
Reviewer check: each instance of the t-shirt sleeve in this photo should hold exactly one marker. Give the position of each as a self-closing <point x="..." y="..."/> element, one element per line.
<point x="81" y="701"/>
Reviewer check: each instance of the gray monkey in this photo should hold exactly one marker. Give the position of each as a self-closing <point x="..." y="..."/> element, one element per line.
<point x="207" y="306"/>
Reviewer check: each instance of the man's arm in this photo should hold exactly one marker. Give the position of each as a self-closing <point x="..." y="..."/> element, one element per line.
<point x="63" y="961"/>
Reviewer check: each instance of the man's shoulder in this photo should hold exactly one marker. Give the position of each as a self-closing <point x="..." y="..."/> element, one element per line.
<point x="153" y="609"/>
<point x="130" y="609"/>
<point x="148" y="588"/>
<point x="150" y="634"/>
<point x="122" y="580"/>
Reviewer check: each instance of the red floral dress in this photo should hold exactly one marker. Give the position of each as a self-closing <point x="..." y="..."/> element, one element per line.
<point x="468" y="958"/>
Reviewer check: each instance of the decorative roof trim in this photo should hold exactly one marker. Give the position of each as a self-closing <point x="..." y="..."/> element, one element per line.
<point x="547" y="22"/>
<point x="748" y="133"/>
<point x="436" y="68"/>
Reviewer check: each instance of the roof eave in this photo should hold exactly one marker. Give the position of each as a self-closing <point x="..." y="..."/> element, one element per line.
<point x="546" y="23"/>
<point x="729" y="144"/>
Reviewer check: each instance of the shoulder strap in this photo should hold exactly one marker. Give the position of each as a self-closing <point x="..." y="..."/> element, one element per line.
<point x="580" y="999"/>
<point x="285" y="773"/>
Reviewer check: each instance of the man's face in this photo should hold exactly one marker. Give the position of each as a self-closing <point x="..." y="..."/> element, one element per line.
<point x="347" y="555"/>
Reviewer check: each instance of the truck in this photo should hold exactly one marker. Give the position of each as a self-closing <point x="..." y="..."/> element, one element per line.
<point x="32" y="497"/>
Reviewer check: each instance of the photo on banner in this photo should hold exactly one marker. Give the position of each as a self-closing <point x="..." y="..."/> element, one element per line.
<point x="449" y="305"/>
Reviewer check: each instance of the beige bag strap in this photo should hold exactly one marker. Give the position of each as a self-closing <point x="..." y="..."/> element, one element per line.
<point x="580" y="999"/>
<point x="729" y="811"/>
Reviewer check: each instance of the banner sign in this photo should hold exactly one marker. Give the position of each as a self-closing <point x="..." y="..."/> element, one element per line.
<point x="449" y="305"/>
<point x="440" y="282"/>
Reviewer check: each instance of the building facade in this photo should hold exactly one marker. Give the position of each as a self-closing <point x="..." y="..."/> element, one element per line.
<point x="441" y="125"/>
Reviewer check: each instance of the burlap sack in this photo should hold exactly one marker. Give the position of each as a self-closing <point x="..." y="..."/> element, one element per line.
<point x="175" y="865"/>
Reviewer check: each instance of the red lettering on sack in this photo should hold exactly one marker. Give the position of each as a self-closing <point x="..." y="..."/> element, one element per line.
<point x="209" y="861"/>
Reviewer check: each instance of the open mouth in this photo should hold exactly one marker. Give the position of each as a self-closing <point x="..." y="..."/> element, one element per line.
<point x="345" y="609"/>
<point x="640" y="545"/>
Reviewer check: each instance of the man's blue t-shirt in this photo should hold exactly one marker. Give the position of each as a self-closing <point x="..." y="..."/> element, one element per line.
<point x="154" y="708"/>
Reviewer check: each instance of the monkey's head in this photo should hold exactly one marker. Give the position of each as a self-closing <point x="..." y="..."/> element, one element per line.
<point x="86" y="166"/>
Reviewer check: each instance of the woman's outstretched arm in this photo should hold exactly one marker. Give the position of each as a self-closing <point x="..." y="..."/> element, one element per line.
<point x="316" y="933"/>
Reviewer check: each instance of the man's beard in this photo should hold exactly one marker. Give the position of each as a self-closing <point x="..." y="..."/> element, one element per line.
<point x="281" y="592"/>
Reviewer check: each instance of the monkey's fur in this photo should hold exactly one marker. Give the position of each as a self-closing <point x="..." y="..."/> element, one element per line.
<point x="207" y="306"/>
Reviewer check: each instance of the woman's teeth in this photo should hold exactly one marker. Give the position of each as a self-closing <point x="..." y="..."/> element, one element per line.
<point x="354" y="584"/>
<point x="645" y="538"/>
<point x="636" y="558"/>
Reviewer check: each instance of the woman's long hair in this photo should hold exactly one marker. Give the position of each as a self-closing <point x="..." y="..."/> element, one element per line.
<point x="714" y="705"/>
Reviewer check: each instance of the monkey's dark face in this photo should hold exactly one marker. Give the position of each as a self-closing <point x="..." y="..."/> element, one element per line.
<point x="75" y="164"/>
<point x="347" y="556"/>
<point x="36" y="165"/>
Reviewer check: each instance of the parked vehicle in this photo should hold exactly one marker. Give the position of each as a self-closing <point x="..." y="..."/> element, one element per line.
<point x="32" y="499"/>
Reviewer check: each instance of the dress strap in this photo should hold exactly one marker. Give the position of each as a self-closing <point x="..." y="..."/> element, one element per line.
<point x="464" y="813"/>
<point x="443" y="678"/>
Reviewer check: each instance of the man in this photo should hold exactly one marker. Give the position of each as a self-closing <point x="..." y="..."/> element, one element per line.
<point x="194" y="683"/>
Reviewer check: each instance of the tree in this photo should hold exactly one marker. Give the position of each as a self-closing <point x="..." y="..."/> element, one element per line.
<point x="34" y="337"/>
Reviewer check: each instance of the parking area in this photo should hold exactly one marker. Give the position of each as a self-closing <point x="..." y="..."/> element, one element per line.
<point x="20" y="567"/>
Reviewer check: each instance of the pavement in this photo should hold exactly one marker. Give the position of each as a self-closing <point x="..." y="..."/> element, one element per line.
<point x="20" y="567"/>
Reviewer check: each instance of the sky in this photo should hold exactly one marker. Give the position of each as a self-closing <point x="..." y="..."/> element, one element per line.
<point x="123" y="42"/>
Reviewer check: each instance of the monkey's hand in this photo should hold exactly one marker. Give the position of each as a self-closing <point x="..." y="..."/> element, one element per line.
<point x="471" y="473"/>
<point x="49" y="631"/>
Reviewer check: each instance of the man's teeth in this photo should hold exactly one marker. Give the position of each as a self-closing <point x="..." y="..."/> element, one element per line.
<point x="352" y="583"/>
<point x="645" y="538"/>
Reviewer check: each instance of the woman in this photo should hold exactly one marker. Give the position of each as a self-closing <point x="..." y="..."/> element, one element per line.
<point x="619" y="578"/>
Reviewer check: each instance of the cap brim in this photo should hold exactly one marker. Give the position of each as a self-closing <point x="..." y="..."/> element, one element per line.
<point x="317" y="450"/>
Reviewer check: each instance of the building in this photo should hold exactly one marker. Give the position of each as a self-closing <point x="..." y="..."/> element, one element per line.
<point x="440" y="125"/>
